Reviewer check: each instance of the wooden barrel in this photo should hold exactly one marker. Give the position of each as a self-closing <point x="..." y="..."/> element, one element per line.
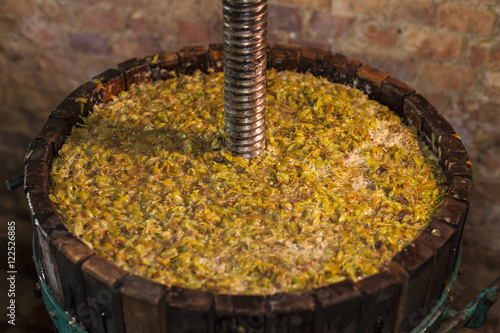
<point x="104" y="298"/>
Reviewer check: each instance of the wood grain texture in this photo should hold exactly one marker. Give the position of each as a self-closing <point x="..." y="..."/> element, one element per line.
<point x="192" y="58"/>
<point x="136" y="71"/>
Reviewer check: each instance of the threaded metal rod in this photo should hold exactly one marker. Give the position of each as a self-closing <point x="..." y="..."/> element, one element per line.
<point x="245" y="43"/>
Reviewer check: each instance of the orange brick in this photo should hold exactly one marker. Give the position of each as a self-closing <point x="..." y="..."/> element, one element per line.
<point x="465" y="19"/>
<point x="326" y="26"/>
<point x="431" y="44"/>
<point x="284" y="18"/>
<point x="477" y="56"/>
<point x="386" y="11"/>
<point x="487" y="113"/>
<point x="415" y="11"/>
<point x="491" y="161"/>
<point x="393" y="63"/>
<point x="484" y="56"/>
<point x="192" y="32"/>
<point x="16" y="8"/>
<point x="448" y="77"/>
<point x="103" y="20"/>
<point x="130" y="48"/>
<point x="320" y="4"/>
<point x="377" y="35"/>
<point x="46" y="37"/>
<point x="88" y="43"/>
<point x="491" y="83"/>
<point x="493" y="61"/>
<point x="140" y="23"/>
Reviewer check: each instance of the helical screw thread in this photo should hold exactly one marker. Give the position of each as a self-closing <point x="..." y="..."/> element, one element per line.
<point x="245" y="43"/>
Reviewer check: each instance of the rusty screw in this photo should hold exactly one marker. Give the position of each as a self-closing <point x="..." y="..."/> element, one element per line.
<point x="245" y="44"/>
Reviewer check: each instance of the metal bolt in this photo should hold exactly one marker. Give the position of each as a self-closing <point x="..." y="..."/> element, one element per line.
<point x="52" y="315"/>
<point x="491" y="296"/>
<point x="15" y="182"/>
<point x="245" y="46"/>
<point x="38" y="290"/>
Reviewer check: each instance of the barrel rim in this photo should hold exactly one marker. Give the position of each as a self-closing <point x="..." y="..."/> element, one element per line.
<point x="396" y="282"/>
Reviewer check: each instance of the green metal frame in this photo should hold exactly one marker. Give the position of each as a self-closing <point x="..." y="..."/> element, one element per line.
<point x="474" y="313"/>
<point x="432" y="322"/>
<point x="441" y="319"/>
<point x="62" y="320"/>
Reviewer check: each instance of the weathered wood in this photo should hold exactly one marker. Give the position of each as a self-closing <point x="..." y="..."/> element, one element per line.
<point x="344" y="69"/>
<point x="433" y="127"/>
<point x="249" y="312"/>
<point x="380" y="300"/>
<point x="39" y="150"/>
<point x="417" y="259"/>
<point x="453" y="212"/>
<point x="48" y="261"/>
<point x="144" y="308"/>
<point x="52" y="224"/>
<point x="216" y="57"/>
<point x="164" y="65"/>
<point x="370" y="81"/>
<point x="89" y="93"/>
<point x="192" y="58"/>
<point x="339" y="307"/>
<point x="69" y="254"/>
<point x="290" y="313"/>
<point x="54" y="131"/>
<point x="49" y="227"/>
<point x="455" y="208"/>
<point x="71" y="111"/>
<point x="102" y="282"/>
<point x="36" y="168"/>
<point x="393" y="92"/>
<point x="448" y="144"/>
<point x="458" y="164"/>
<point x="440" y="238"/>
<point x="136" y="71"/>
<point x="36" y="174"/>
<point x="284" y="57"/>
<point x="224" y="318"/>
<point x="460" y="188"/>
<point x="415" y="109"/>
<point x="315" y="61"/>
<point x="190" y="310"/>
<point x="39" y="201"/>
<point x="112" y="80"/>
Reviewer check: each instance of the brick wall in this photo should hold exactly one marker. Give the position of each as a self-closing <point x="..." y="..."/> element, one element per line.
<point x="448" y="50"/>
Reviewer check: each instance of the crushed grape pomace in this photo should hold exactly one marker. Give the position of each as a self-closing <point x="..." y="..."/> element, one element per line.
<point x="342" y="186"/>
